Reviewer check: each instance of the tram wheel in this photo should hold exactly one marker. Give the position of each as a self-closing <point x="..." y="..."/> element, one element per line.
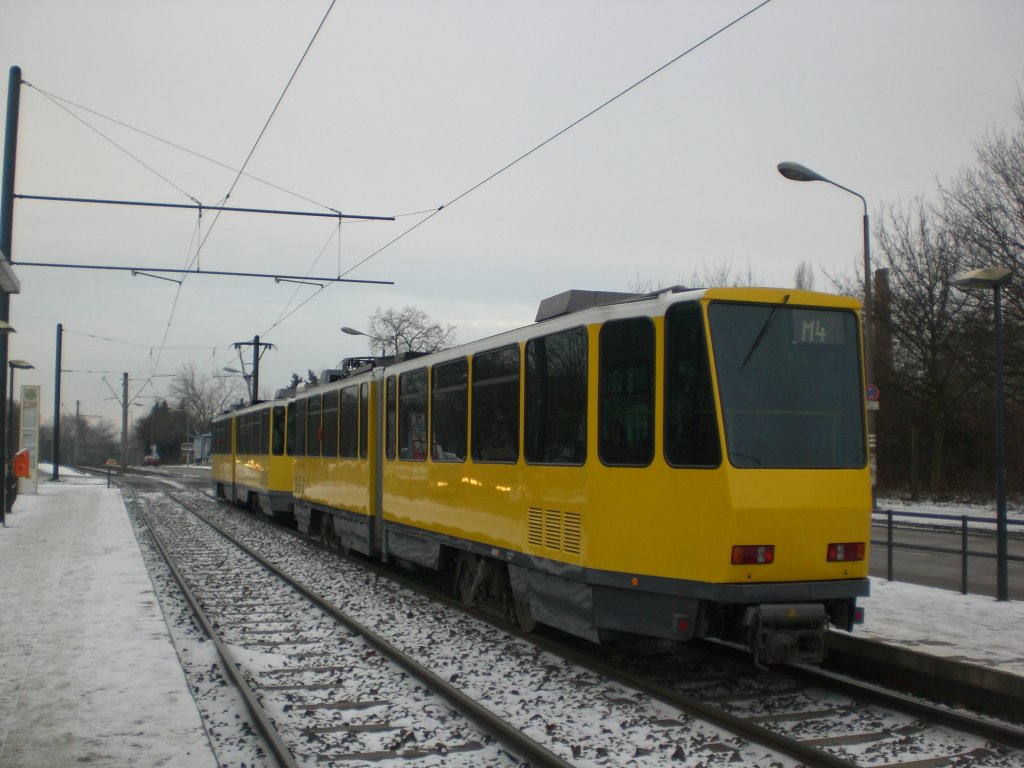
<point x="468" y="568"/>
<point x="524" y="616"/>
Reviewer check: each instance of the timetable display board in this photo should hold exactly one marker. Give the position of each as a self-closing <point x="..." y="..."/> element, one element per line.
<point x="30" y="436"/>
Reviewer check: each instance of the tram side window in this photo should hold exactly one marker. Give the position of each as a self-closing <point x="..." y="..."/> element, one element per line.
<point x="300" y="428"/>
<point x="245" y="428"/>
<point x="412" y="415"/>
<point x="289" y="432"/>
<point x="330" y="419"/>
<point x="221" y="441"/>
<point x="691" y="426"/>
<point x="265" y="432"/>
<point x="626" y="392"/>
<point x="392" y="417"/>
<point x="314" y="430"/>
<point x="364" y="418"/>
<point x="277" y="432"/>
<point x="495" y="414"/>
<point x="449" y="411"/>
<point x="556" y="398"/>
<point x="350" y="422"/>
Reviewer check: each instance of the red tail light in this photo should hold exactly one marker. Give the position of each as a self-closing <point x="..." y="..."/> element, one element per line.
<point x="846" y="553"/>
<point x="753" y="554"/>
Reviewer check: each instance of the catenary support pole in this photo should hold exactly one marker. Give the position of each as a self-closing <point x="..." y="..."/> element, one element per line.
<point x="1002" y="551"/>
<point x="124" y="422"/>
<point x="56" y="404"/>
<point x="255" y="369"/>
<point x="6" y="240"/>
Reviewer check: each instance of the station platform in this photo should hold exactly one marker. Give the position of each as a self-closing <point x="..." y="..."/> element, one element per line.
<point x="89" y="675"/>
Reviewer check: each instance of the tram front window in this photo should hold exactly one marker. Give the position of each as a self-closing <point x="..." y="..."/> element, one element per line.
<point x="790" y="385"/>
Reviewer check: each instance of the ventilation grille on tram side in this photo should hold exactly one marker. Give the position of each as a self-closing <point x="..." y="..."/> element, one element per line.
<point x="551" y="529"/>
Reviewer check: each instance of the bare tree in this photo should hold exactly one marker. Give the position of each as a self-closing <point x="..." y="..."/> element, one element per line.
<point x="722" y="274"/>
<point x="804" y="276"/>
<point x="703" y="276"/>
<point x="203" y="397"/>
<point x="985" y="206"/>
<point x="393" y="331"/>
<point x="921" y="370"/>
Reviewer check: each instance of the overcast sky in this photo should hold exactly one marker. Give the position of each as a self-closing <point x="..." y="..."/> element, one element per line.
<point x="400" y="107"/>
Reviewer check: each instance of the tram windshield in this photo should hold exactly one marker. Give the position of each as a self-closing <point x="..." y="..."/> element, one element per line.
<point x="790" y="385"/>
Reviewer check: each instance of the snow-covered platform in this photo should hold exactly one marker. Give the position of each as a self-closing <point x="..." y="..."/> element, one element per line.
<point x="88" y="673"/>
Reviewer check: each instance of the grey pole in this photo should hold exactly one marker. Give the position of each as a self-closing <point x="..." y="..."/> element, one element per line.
<point x="995" y="278"/>
<point x="56" y="404"/>
<point x="797" y="172"/>
<point x="255" y="396"/>
<point x="1002" y="575"/>
<point x="124" y="422"/>
<point x="6" y="240"/>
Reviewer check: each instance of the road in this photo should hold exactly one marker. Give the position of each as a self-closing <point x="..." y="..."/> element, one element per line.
<point x="944" y="570"/>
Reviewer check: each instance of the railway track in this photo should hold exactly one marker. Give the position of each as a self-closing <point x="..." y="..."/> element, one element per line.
<point x="752" y="715"/>
<point x="320" y="687"/>
<point x="832" y="720"/>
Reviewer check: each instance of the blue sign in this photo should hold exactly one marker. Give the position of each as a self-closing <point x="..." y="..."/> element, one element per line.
<point x="871" y="393"/>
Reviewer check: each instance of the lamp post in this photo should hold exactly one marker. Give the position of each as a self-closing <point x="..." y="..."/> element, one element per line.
<point x="245" y="376"/>
<point x="371" y="337"/>
<point x="797" y="172"/>
<point x="995" y="278"/>
<point x="8" y="500"/>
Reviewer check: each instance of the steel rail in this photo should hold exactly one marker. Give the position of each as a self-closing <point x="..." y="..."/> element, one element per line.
<point x="811" y="757"/>
<point x="515" y="740"/>
<point x="261" y="719"/>
<point x="1003" y="733"/>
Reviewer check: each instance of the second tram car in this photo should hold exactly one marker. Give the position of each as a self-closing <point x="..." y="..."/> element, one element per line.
<point x="249" y="463"/>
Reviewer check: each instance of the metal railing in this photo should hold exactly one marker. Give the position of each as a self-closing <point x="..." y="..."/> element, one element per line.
<point x="964" y="552"/>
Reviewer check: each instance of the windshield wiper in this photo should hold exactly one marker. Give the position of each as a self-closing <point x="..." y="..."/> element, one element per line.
<point x="764" y="330"/>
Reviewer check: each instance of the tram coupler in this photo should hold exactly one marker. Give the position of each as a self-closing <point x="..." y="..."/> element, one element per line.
<point x="783" y="634"/>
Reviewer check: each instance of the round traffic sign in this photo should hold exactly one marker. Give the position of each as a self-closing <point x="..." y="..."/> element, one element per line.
<point x="871" y="393"/>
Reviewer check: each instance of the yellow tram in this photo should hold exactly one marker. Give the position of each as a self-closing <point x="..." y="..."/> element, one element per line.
<point x="250" y="463"/>
<point x="684" y="464"/>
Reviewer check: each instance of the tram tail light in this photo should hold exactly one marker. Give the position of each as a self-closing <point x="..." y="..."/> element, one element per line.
<point x="753" y="554"/>
<point x="846" y="553"/>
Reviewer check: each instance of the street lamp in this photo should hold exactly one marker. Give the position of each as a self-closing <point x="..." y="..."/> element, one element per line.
<point x="995" y="278"/>
<point x="371" y="337"/>
<point x="797" y="172"/>
<point x="245" y="376"/>
<point x="8" y="499"/>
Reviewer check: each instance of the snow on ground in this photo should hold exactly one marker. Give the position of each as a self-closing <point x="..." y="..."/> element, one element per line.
<point x="87" y="667"/>
<point x="1014" y="513"/>
<point x="971" y="628"/>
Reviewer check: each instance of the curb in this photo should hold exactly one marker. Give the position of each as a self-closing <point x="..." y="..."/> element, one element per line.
<point x="956" y="682"/>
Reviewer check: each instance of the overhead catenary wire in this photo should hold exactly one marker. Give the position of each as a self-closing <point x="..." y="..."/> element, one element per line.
<point x="562" y="132"/>
<point x="238" y="176"/>
<point x="55" y="98"/>
<point x="431" y="213"/>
